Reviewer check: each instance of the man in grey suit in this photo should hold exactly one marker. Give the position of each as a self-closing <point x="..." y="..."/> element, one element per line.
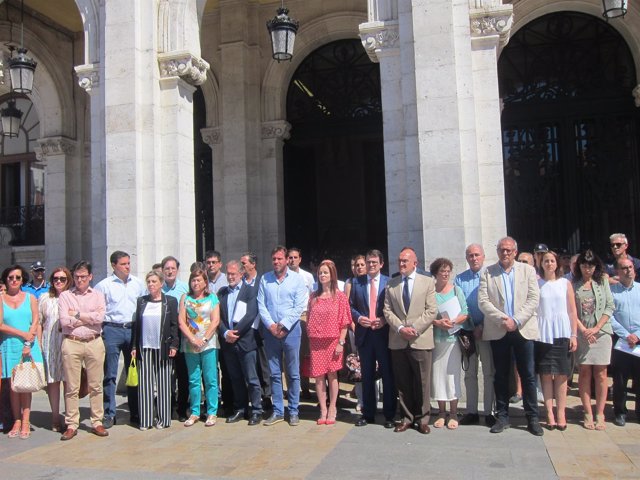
<point x="410" y="308"/>
<point x="508" y="296"/>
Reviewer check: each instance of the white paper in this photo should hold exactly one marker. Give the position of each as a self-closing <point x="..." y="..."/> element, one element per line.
<point x="623" y="346"/>
<point x="239" y="311"/>
<point x="451" y="309"/>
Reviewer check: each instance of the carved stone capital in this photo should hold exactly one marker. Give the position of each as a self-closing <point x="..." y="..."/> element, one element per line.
<point x="185" y="65"/>
<point x="276" y="129"/>
<point x="211" y="136"/>
<point x="491" y="25"/>
<point x="88" y="76"/>
<point x="53" y="146"/>
<point x="636" y="95"/>
<point x="380" y="37"/>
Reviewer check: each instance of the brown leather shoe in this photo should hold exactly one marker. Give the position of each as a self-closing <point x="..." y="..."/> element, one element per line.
<point x="100" y="431"/>
<point x="402" y="427"/>
<point x="68" y="434"/>
<point x="424" y="429"/>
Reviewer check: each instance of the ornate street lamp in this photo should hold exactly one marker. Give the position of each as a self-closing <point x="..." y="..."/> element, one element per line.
<point x="282" y="30"/>
<point x="21" y="67"/>
<point x="10" y="117"/>
<point x="614" y="8"/>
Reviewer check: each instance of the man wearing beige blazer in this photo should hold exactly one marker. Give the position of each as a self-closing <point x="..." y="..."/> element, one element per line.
<point x="508" y="296"/>
<point x="410" y="308"/>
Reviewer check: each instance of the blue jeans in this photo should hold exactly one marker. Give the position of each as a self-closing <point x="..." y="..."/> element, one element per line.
<point x="116" y="340"/>
<point x="290" y="347"/>
<point x="203" y="365"/>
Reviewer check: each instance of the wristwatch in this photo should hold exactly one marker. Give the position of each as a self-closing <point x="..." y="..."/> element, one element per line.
<point x="206" y="340"/>
<point x="341" y="342"/>
<point x="27" y="344"/>
<point x="77" y="315"/>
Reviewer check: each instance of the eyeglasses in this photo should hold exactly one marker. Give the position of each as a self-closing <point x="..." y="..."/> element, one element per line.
<point x="14" y="277"/>
<point x="60" y="279"/>
<point x="617" y="245"/>
<point x="628" y="267"/>
<point x="508" y="251"/>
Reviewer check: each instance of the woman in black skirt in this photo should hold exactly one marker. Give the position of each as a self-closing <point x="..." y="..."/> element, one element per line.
<point x="557" y="323"/>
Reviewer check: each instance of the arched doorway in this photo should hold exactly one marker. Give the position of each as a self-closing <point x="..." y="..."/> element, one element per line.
<point x="334" y="182"/>
<point x="570" y="133"/>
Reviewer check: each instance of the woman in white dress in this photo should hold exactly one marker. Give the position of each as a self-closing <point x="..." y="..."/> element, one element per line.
<point x="557" y="324"/>
<point x="60" y="281"/>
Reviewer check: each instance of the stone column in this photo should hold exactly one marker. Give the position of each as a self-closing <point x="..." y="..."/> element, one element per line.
<point x="274" y="134"/>
<point x="61" y="202"/>
<point x="490" y="25"/>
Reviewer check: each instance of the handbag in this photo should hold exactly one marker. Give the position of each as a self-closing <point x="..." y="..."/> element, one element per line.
<point x="353" y="365"/>
<point x="132" y="374"/>
<point x="467" y="343"/>
<point x="28" y="377"/>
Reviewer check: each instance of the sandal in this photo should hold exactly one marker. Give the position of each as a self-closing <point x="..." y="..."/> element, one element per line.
<point x="191" y="420"/>
<point x="600" y="423"/>
<point x="452" y="424"/>
<point x="24" y="434"/>
<point x="211" y="421"/>
<point x="439" y="423"/>
<point x="588" y="422"/>
<point x="15" y="431"/>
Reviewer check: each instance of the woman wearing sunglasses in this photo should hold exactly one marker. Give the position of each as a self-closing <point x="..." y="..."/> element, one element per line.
<point x="52" y="337"/>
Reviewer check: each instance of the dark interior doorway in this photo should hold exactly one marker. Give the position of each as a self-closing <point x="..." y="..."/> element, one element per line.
<point x="570" y="133"/>
<point x="334" y="185"/>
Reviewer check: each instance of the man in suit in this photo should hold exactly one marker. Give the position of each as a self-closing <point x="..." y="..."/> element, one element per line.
<point x="238" y="312"/>
<point x="508" y="296"/>
<point x="372" y="340"/>
<point x="410" y="308"/>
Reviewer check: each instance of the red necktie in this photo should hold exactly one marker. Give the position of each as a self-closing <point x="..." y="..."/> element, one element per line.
<point x="373" y="299"/>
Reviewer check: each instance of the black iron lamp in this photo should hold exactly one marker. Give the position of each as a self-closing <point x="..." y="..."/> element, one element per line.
<point x="282" y="30"/>
<point x="21" y="67"/>
<point x="10" y="117"/>
<point x="614" y="8"/>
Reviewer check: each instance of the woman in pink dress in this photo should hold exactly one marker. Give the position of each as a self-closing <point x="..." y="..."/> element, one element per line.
<point x="329" y="317"/>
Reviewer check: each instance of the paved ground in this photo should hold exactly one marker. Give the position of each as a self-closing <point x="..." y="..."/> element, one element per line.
<point x="320" y="452"/>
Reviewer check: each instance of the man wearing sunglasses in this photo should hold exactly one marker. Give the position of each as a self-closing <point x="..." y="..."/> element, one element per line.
<point x="39" y="284"/>
<point x="619" y="245"/>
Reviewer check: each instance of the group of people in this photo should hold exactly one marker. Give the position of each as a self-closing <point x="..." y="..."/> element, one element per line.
<point x="251" y="329"/>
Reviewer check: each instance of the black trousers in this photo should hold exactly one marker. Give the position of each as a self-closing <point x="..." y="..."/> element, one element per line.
<point x="623" y="367"/>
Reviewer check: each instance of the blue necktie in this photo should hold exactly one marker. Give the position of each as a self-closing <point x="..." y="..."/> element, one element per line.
<point x="406" y="298"/>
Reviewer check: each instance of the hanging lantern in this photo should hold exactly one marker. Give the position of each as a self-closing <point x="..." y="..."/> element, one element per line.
<point x="614" y="8"/>
<point x="10" y="117"/>
<point x="282" y="30"/>
<point x="21" y="70"/>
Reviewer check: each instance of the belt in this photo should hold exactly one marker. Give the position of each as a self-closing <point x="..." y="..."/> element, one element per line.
<point x="82" y="339"/>
<point x="118" y="325"/>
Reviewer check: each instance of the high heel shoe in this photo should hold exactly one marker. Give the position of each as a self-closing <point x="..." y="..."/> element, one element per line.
<point x="322" y="421"/>
<point x="24" y="434"/>
<point x="15" y="431"/>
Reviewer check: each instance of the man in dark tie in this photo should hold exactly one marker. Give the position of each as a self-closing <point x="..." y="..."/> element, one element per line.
<point x="238" y="312"/>
<point x="372" y="340"/>
<point x="410" y="308"/>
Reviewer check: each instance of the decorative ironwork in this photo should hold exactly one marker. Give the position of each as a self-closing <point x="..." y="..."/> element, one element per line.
<point x="26" y="222"/>
<point x="337" y="82"/>
<point x="570" y="134"/>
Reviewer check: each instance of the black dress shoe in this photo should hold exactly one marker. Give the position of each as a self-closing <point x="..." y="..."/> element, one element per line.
<point x="236" y="417"/>
<point x="363" y="422"/>
<point x="470" y="419"/>
<point x="489" y="420"/>
<point x="500" y="426"/>
<point x="620" y="420"/>
<point x="534" y="428"/>
<point x="389" y="424"/>
<point x="255" y="419"/>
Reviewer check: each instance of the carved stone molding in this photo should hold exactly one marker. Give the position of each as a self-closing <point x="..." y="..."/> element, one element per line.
<point x="211" y="136"/>
<point x="185" y="65"/>
<point x="491" y="23"/>
<point x="88" y="76"/>
<point x="53" y="146"/>
<point x="378" y="37"/>
<point x="276" y="129"/>
<point x="636" y="95"/>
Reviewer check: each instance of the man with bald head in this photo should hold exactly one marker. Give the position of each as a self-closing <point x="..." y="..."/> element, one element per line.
<point x="508" y="297"/>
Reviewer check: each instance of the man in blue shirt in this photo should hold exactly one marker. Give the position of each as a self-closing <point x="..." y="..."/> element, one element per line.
<point x="626" y="325"/>
<point x="469" y="281"/>
<point x="175" y="288"/>
<point x="39" y="284"/>
<point x="121" y="291"/>
<point x="282" y="297"/>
